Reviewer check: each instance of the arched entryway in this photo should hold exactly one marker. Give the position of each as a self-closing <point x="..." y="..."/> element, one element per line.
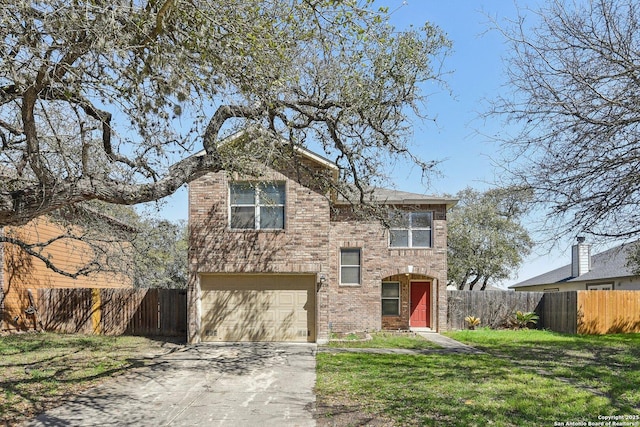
<point x="407" y="302"/>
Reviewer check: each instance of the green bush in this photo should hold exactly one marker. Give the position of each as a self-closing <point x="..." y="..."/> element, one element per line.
<point x="522" y="320"/>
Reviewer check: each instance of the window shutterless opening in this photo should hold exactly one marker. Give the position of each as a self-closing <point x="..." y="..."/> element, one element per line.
<point x="256" y="206"/>
<point x="390" y="298"/>
<point x="350" y="263"/>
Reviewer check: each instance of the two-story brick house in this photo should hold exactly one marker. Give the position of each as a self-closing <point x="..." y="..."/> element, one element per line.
<point x="280" y="259"/>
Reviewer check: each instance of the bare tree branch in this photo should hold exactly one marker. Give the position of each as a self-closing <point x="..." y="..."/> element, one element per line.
<point x="112" y="101"/>
<point x="575" y="76"/>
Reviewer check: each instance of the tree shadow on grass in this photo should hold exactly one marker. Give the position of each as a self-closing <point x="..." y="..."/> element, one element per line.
<point x="42" y="370"/>
<point x="604" y="366"/>
<point x="456" y="390"/>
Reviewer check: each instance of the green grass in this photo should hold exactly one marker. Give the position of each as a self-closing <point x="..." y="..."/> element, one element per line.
<point x="525" y="378"/>
<point x="386" y="340"/>
<point x="609" y="364"/>
<point x="38" y="370"/>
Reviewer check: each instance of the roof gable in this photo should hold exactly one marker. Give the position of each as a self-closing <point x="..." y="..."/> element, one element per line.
<point x="304" y="152"/>
<point x="382" y="196"/>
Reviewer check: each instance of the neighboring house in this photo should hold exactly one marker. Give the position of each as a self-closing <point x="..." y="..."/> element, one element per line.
<point x="23" y="274"/>
<point x="280" y="259"/>
<point x="607" y="270"/>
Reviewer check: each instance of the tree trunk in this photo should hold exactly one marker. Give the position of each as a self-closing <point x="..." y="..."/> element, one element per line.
<point x="474" y="282"/>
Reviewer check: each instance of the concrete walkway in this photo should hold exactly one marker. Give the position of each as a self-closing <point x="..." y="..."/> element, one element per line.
<point x="240" y="384"/>
<point x="446" y="344"/>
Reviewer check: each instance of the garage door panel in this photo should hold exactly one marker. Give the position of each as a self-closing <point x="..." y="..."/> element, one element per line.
<point x="286" y="299"/>
<point x="258" y="308"/>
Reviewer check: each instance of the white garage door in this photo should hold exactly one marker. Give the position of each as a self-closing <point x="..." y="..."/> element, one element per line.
<point x="244" y="307"/>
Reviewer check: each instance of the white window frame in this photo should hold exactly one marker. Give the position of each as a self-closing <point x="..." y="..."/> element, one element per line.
<point x="390" y="298"/>
<point x="410" y="229"/>
<point x="351" y="266"/>
<point x="600" y="287"/>
<point x="257" y="204"/>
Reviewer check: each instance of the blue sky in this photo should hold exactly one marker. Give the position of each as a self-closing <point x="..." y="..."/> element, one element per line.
<point x="457" y="138"/>
<point x="475" y="67"/>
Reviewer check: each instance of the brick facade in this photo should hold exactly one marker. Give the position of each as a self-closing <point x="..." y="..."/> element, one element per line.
<point x="355" y="308"/>
<point x="315" y="231"/>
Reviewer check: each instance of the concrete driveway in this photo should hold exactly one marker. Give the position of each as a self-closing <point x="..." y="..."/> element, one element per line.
<point x="244" y="384"/>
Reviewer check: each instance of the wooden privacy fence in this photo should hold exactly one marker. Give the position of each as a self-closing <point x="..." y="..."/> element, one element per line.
<point x="582" y="312"/>
<point x="591" y="312"/>
<point x="559" y="312"/>
<point x="145" y="312"/>
<point x="608" y="312"/>
<point x="494" y="308"/>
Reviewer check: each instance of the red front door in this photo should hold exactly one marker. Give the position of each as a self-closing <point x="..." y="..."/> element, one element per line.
<point x="420" y="305"/>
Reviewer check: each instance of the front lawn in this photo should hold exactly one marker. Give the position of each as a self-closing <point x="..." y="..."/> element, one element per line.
<point x="385" y="339"/>
<point x="608" y="364"/>
<point x="500" y="388"/>
<point x="38" y="370"/>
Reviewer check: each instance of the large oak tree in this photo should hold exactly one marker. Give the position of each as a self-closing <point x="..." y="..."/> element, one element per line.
<point x="110" y="100"/>
<point x="486" y="240"/>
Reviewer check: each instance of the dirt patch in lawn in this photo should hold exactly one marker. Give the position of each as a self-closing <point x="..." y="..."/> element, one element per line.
<point x="339" y="412"/>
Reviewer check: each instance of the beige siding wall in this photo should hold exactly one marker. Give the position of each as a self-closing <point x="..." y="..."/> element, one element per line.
<point x="22" y="272"/>
<point x="552" y="287"/>
<point x="627" y="284"/>
<point x="619" y="284"/>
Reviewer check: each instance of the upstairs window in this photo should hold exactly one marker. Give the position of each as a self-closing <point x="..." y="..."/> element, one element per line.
<point x="410" y="230"/>
<point x="257" y="206"/>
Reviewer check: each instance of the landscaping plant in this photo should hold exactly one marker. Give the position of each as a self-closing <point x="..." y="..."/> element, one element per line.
<point x="472" y="322"/>
<point x="522" y="320"/>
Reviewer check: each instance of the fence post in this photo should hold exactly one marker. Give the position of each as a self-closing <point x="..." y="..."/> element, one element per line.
<point x="96" y="311"/>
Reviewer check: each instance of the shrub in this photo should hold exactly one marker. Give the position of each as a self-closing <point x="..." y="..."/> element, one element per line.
<point x="523" y="320"/>
<point x="472" y="321"/>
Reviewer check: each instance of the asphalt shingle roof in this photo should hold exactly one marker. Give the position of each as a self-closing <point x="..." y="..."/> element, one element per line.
<point x="609" y="264"/>
<point x="396" y="197"/>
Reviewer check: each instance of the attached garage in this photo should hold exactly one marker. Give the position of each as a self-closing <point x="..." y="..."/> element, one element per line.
<point x="258" y="307"/>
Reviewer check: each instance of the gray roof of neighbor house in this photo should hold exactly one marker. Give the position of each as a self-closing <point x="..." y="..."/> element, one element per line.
<point x="605" y="265"/>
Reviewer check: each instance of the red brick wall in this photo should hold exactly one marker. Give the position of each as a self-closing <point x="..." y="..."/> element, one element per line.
<point x="355" y="308"/>
<point x="302" y="247"/>
<point x="310" y="243"/>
